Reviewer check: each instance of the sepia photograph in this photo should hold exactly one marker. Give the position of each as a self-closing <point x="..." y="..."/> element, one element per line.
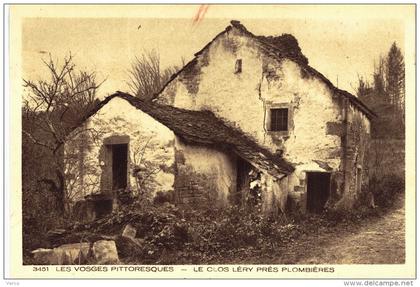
<point x="212" y="136"/>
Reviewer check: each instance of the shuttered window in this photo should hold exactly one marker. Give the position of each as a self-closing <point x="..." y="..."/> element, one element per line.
<point x="279" y="119"/>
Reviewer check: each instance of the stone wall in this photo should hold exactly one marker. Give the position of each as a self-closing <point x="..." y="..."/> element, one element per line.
<point x="243" y="99"/>
<point x="274" y="195"/>
<point x="355" y="159"/>
<point x="204" y="176"/>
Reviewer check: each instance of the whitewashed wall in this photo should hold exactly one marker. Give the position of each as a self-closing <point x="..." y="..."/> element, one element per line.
<point x="119" y="118"/>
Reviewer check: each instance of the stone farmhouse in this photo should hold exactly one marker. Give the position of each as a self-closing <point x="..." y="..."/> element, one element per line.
<point x="246" y="122"/>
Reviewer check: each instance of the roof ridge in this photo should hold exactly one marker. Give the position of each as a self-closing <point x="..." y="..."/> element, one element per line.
<point x="303" y="64"/>
<point x="191" y="126"/>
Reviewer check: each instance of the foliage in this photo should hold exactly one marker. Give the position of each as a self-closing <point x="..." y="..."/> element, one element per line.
<point x="148" y="160"/>
<point x="51" y="107"/>
<point x="162" y="197"/>
<point x="395" y="77"/>
<point x="40" y="214"/>
<point x="385" y="94"/>
<point x="167" y="234"/>
<point x="386" y="189"/>
<point x="59" y="103"/>
<point x="79" y="168"/>
<point x="193" y="235"/>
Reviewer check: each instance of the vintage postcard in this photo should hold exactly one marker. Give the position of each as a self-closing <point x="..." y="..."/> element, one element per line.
<point x="211" y="141"/>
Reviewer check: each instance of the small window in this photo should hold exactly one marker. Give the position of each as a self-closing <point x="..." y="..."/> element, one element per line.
<point x="279" y="119"/>
<point x="238" y="66"/>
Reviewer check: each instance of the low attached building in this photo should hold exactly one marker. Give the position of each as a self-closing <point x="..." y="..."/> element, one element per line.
<point x="130" y="145"/>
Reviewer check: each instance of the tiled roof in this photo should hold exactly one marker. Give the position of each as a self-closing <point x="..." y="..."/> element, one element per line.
<point x="204" y="128"/>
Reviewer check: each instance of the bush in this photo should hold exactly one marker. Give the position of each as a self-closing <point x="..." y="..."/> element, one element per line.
<point x="166" y="229"/>
<point x="386" y="189"/>
<point x="163" y="196"/>
<point x="168" y="234"/>
<point x="40" y="214"/>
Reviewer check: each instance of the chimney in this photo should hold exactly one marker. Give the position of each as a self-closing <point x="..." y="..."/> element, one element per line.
<point x="235" y="23"/>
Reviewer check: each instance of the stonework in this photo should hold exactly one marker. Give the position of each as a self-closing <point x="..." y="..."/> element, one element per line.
<point x="320" y="138"/>
<point x="206" y="163"/>
<point x="355" y="162"/>
<point x="203" y="175"/>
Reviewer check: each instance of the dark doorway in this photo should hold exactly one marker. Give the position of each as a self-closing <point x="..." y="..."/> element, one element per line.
<point x="318" y="190"/>
<point x="119" y="166"/>
<point x="242" y="180"/>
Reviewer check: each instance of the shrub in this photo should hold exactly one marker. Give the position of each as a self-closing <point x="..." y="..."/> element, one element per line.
<point x="386" y="189"/>
<point x="168" y="234"/>
<point x="163" y="196"/>
<point x="40" y="214"/>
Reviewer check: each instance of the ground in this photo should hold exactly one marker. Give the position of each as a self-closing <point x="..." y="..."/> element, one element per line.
<point x="378" y="239"/>
<point x="375" y="236"/>
<point x="375" y="241"/>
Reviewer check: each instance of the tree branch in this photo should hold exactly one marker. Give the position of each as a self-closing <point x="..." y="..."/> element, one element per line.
<point x="36" y="141"/>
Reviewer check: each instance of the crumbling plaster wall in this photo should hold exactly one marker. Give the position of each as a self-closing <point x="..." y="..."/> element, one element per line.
<point x="119" y="118"/>
<point x="243" y="100"/>
<point x="356" y="167"/>
<point x="204" y="176"/>
<point x="274" y="194"/>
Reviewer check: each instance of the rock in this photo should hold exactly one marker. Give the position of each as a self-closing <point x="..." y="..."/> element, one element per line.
<point x="44" y="256"/>
<point x="105" y="252"/>
<point x="75" y="253"/>
<point x="129" y="247"/>
<point x="129" y="231"/>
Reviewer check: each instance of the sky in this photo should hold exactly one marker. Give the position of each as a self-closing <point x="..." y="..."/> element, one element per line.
<point x="343" y="44"/>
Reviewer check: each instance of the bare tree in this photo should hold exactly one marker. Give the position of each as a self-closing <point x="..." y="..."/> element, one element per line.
<point x="52" y="108"/>
<point x="147" y="77"/>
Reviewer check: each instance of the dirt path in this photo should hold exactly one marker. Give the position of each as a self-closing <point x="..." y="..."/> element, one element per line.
<point x="379" y="241"/>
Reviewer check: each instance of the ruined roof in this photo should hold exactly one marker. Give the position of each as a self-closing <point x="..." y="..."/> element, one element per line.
<point x="203" y="127"/>
<point x="283" y="46"/>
